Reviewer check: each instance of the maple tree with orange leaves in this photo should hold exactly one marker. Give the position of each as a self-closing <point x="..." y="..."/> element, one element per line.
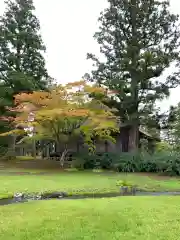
<point x="64" y="113"/>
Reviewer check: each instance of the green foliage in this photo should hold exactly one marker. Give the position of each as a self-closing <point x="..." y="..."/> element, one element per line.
<point x="126" y="162"/>
<point x="21" y="47"/>
<point x="163" y="162"/>
<point x="168" y="122"/>
<point x="167" y="163"/>
<point x="138" y="41"/>
<point x="22" y="65"/>
<point x="5" y="101"/>
<point x="126" y="188"/>
<point x="123" y="183"/>
<point x="171" y="127"/>
<point x="175" y="127"/>
<point x="163" y="146"/>
<point x="95" y="160"/>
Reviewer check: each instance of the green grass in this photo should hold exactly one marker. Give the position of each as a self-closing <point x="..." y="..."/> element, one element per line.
<point x="81" y="182"/>
<point x="6" y="195"/>
<point x="25" y="158"/>
<point x="121" y="218"/>
<point x="24" y="170"/>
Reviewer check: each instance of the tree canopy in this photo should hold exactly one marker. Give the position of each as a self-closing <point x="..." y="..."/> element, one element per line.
<point x="138" y="40"/>
<point x="64" y="114"/>
<point x="22" y="64"/>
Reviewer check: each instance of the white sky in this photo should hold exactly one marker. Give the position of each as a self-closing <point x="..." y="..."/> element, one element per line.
<point x="67" y="28"/>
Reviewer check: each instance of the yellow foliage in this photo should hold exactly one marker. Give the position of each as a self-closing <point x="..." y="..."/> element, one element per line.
<point x="13" y="132"/>
<point x="64" y="110"/>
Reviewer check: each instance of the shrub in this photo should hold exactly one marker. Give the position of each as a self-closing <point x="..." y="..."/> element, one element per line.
<point x="163" y="147"/>
<point x="94" y="161"/>
<point x="127" y="162"/>
<point x="160" y="162"/>
<point x="90" y="162"/>
<point x="77" y="162"/>
<point x="123" y="183"/>
<point x="106" y="160"/>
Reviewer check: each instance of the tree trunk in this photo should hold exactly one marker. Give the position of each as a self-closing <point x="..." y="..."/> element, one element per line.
<point x="34" y="149"/>
<point x="12" y="147"/>
<point x="58" y="147"/>
<point x="63" y="156"/>
<point x="134" y="130"/>
<point x="106" y="146"/>
<point x="134" y="138"/>
<point x="124" y="139"/>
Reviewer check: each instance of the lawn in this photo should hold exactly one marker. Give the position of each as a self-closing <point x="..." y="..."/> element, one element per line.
<point x="122" y="218"/>
<point x="81" y="182"/>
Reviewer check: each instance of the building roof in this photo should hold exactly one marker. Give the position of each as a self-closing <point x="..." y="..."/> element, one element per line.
<point x="143" y="131"/>
<point x="148" y="135"/>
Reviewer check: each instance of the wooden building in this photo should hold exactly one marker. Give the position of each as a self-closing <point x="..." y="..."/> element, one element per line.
<point x="121" y="144"/>
<point x="122" y="141"/>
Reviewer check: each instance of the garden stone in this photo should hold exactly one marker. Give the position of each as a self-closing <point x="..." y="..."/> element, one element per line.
<point x="133" y="190"/>
<point x="39" y="197"/>
<point x="124" y="190"/>
<point x="19" y="195"/>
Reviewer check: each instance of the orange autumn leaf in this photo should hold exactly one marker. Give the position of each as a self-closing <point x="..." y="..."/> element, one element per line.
<point x="63" y="110"/>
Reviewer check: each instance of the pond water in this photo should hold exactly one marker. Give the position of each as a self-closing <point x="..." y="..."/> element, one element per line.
<point x="20" y="198"/>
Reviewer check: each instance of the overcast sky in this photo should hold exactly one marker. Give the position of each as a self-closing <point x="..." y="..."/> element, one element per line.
<point x="67" y="28"/>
